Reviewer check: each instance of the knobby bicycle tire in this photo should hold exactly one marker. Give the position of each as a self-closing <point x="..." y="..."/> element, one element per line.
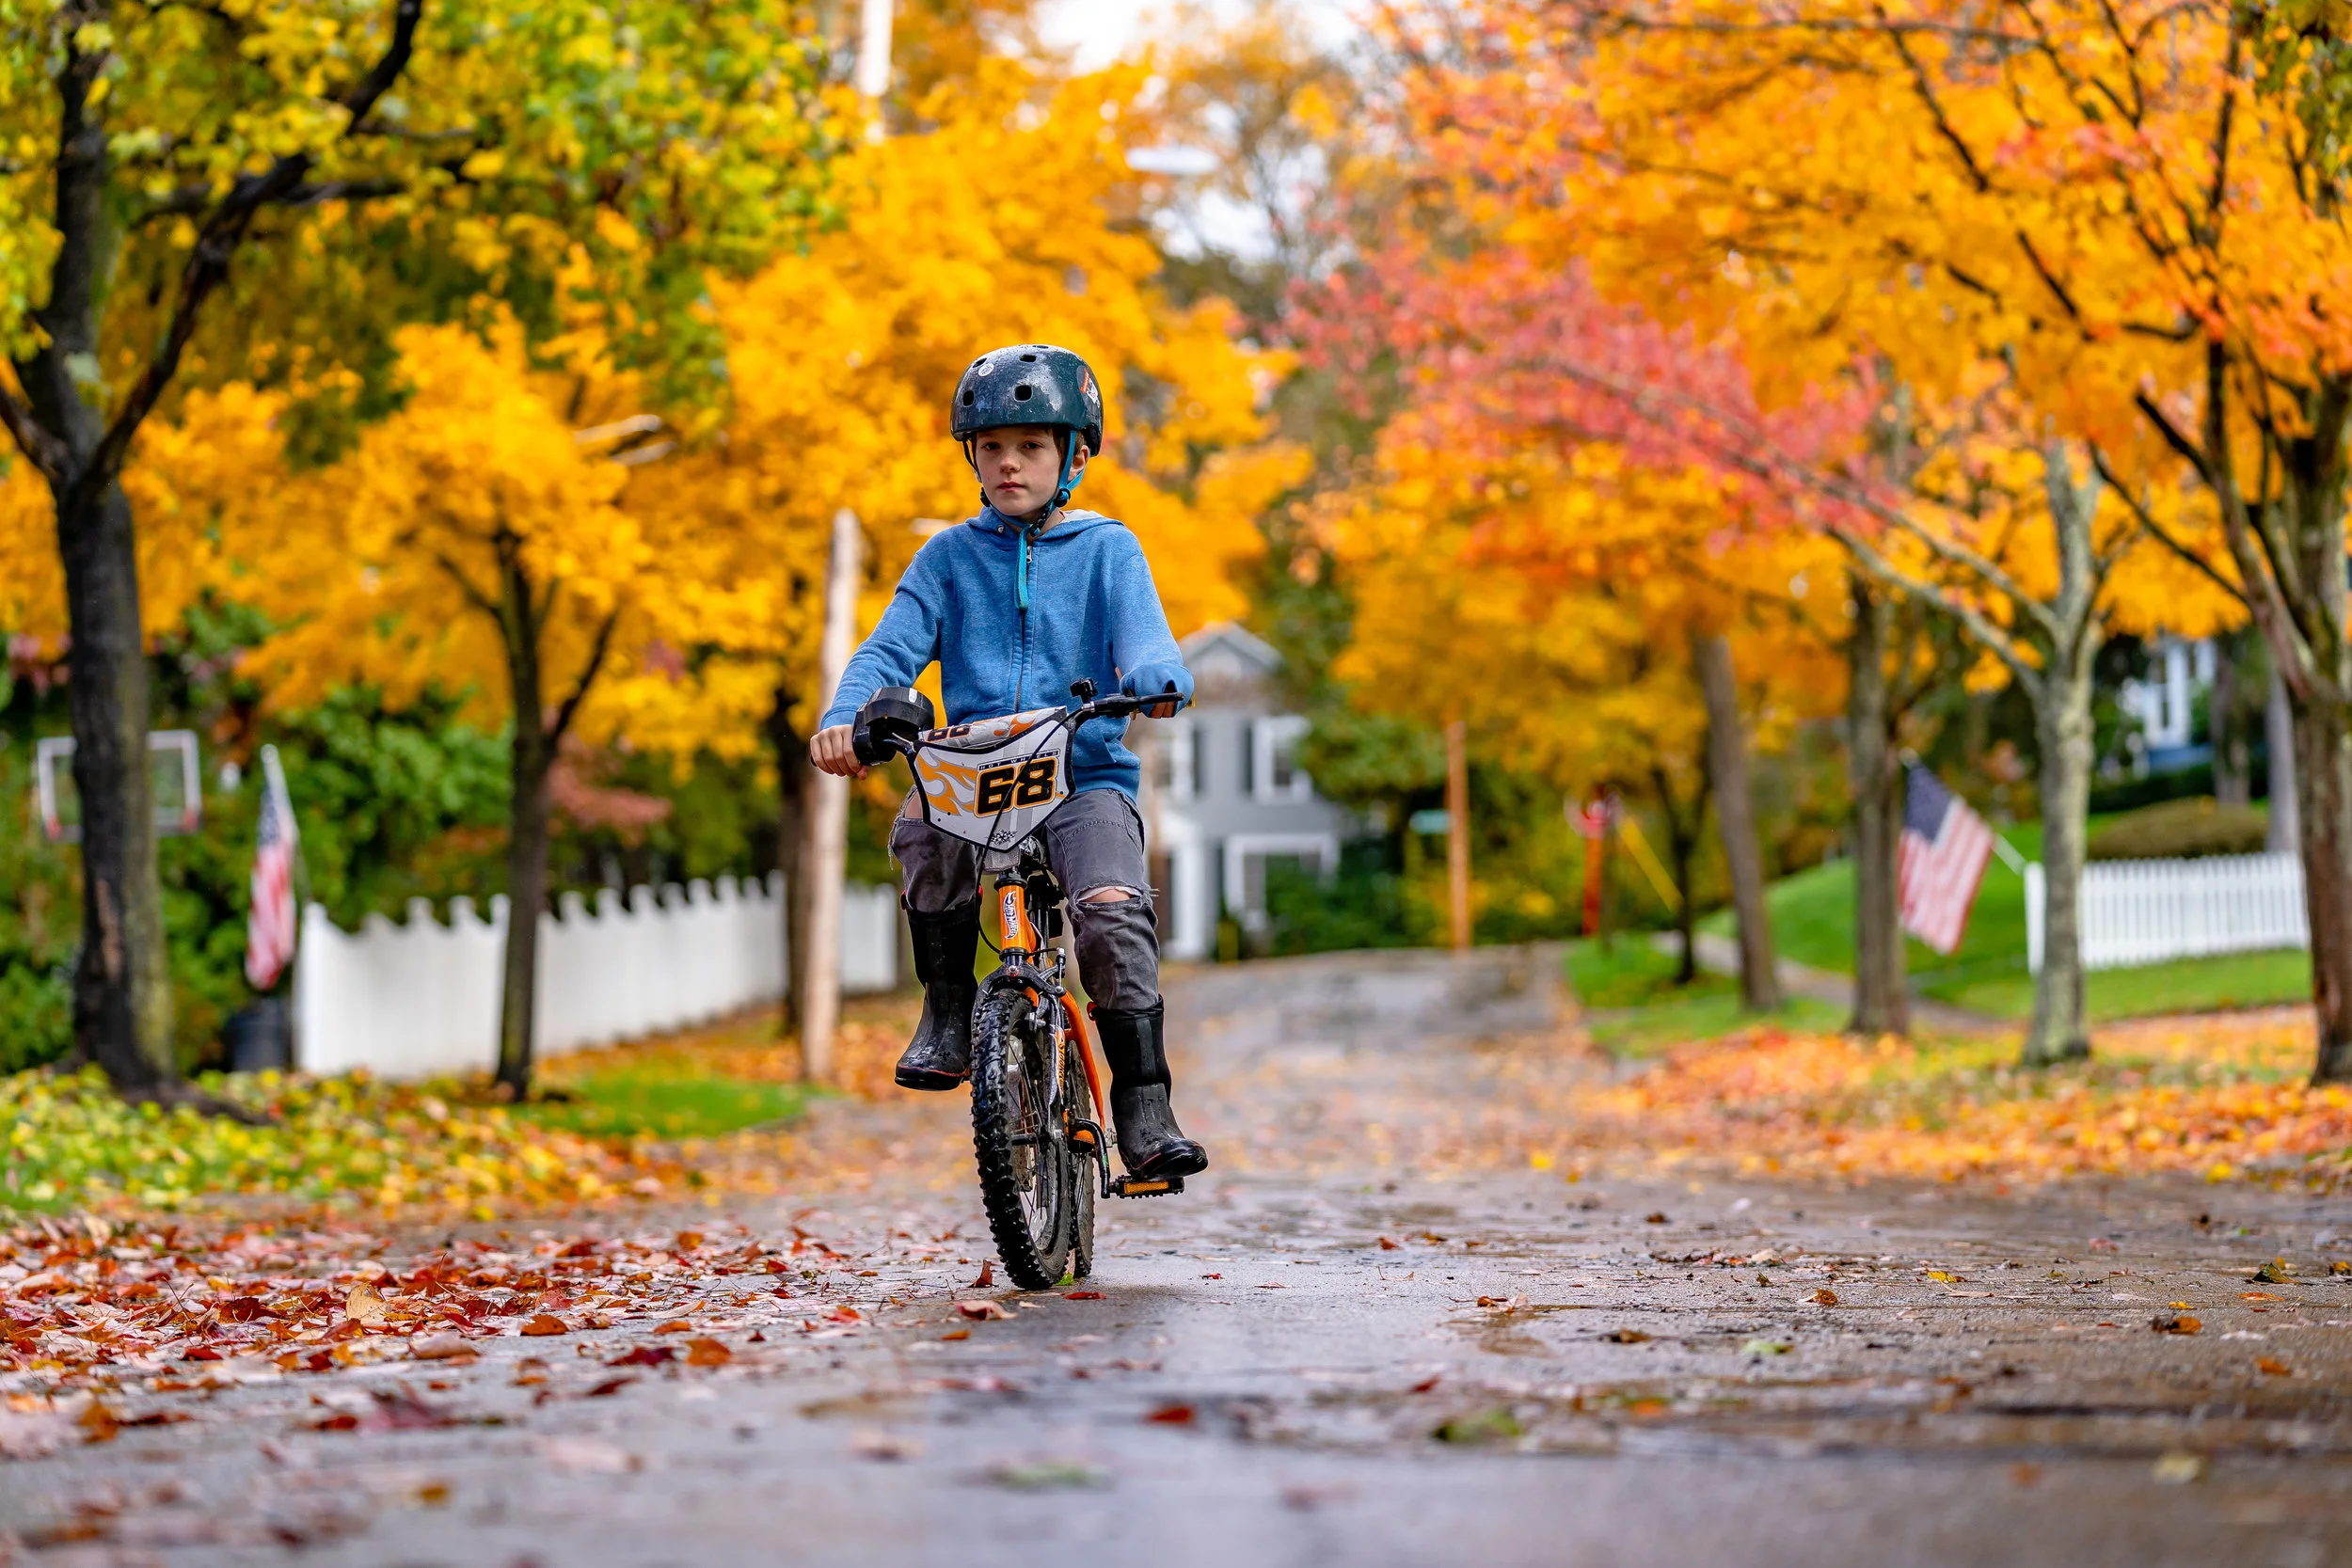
<point x="1081" y="1166"/>
<point x="1033" y="1261"/>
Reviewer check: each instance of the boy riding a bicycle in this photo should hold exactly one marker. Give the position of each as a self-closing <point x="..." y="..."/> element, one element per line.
<point x="1018" y="604"/>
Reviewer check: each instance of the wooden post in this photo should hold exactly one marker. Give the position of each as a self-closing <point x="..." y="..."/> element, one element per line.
<point x="826" y="860"/>
<point x="1458" y="877"/>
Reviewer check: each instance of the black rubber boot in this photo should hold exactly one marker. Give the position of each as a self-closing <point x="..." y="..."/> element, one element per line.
<point x="1150" y="1145"/>
<point x="941" y="1054"/>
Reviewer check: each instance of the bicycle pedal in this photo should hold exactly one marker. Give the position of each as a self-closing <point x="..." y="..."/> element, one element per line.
<point x="1127" y="1186"/>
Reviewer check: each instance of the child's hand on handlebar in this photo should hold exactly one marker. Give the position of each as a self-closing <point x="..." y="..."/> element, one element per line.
<point x="832" y="751"/>
<point x="1165" y="711"/>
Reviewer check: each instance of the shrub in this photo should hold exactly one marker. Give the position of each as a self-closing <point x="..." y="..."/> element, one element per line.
<point x="2180" y="830"/>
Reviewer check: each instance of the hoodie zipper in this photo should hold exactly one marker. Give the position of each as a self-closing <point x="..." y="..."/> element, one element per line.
<point x="1021" y="670"/>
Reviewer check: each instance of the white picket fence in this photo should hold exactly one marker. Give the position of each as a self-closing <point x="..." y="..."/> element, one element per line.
<point x="2146" y="912"/>
<point x="415" y="1000"/>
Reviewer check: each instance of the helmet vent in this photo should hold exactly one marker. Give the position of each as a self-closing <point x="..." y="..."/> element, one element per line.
<point x="1029" y="359"/>
<point x="1022" y="392"/>
<point x="967" y="398"/>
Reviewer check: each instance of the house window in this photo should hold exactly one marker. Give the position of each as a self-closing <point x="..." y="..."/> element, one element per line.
<point x="1274" y="771"/>
<point x="1174" y="768"/>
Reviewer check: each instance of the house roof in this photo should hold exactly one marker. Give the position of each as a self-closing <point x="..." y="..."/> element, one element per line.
<point x="1234" y="641"/>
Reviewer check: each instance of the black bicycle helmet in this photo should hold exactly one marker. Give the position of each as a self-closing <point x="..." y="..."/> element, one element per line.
<point x="1028" y="384"/>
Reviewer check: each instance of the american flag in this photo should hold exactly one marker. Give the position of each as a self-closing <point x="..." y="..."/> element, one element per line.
<point x="269" y="932"/>
<point x="1945" y="848"/>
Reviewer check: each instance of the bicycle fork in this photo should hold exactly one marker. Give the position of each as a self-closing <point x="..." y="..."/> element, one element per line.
<point x="1021" y="938"/>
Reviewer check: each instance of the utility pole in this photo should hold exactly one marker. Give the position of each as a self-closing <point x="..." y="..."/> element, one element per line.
<point x="826" y="863"/>
<point x="1458" y="877"/>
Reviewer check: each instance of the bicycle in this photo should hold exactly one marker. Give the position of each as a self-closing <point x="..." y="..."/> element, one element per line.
<point x="994" y="783"/>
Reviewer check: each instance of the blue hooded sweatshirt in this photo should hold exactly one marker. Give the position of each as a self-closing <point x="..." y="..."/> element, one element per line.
<point x="1093" y="614"/>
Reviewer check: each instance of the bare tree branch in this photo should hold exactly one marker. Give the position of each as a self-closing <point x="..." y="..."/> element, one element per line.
<point x="571" y="706"/>
<point x="43" y="449"/>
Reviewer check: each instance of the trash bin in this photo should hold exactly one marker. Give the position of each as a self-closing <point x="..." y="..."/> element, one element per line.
<point x="260" y="1038"/>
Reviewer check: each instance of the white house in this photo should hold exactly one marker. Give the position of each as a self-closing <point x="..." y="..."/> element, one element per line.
<point x="1224" y="797"/>
<point x="2178" y="670"/>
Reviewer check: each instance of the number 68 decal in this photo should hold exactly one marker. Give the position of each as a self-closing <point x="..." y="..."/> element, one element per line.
<point x="1026" y="784"/>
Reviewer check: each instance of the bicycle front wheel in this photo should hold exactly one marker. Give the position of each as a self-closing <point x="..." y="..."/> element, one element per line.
<point x="1024" y="1160"/>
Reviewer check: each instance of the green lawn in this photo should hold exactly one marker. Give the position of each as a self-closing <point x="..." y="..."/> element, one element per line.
<point x="2183" y="986"/>
<point x="1813" y="923"/>
<point x="620" y="1104"/>
<point x="1632" y="1005"/>
<point x="1629" y="971"/>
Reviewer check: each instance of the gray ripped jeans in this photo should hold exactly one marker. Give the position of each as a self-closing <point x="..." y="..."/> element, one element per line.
<point x="1094" y="843"/>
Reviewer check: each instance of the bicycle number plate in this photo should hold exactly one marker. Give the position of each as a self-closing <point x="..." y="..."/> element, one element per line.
<point x="994" y="782"/>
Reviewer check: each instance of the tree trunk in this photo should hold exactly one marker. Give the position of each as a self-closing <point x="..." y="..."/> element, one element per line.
<point x="2058" y="1031"/>
<point x="526" y="897"/>
<point x="792" y="779"/>
<point x="530" y="757"/>
<point x="1681" y="850"/>
<point x="122" y="988"/>
<point x="1881" y="1002"/>
<point x="1735" y="819"/>
<point x="123" y="985"/>
<point x="2322" y="779"/>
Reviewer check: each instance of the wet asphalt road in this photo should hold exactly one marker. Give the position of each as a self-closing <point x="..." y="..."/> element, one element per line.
<point x="1304" y="1361"/>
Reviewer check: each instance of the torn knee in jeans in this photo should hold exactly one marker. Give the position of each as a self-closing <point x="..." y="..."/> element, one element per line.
<point x="1112" y="893"/>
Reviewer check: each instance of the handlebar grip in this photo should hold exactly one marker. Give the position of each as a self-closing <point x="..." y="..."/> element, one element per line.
<point x="889" y="723"/>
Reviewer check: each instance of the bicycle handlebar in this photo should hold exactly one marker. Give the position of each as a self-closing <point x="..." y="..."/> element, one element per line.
<point x="893" y="720"/>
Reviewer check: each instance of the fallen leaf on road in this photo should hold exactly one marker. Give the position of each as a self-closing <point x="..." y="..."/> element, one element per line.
<point x="1766" y="1347"/>
<point x="1487" y="1426"/>
<point x="586" y="1456"/>
<point x="1429" y="1383"/>
<point x="1272" y="1286"/>
<point x="1047" y="1476"/>
<point x="1388" y="1244"/>
<point x="1946" y="1278"/>
<point x="610" y="1386"/>
<point x="1212" y="1276"/>
<point x="2179" y="1469"/>
<point x="957" y="1334"/>
<point x="2174" y="1322"/>
<point x="643" y="1356"/>
<point x="1081" y="1295"/>
<point x="2270" y="1367"/>
<point x="363" y="1306"/>
<point x="675" y="1326"/>
<point x="982" y="1311"/>
<point x="707" y="1353"/>
<point x="1172" y="1414"/>
<point x="1626" y="1336"/>
<point x="2256" y="1295"/>
<point x="540" y="1325"/>
<point x="440" y="1347"/>
<point x="30" y="1434"/>
<point x="1503" y="1304"/>
<point x="988" y="1277"/>
<point x="1825" y="1298"/>
<point x="1656" y="1219"/>
<point x="884" y="1445"/>
<point x="2275" y="1271"/>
